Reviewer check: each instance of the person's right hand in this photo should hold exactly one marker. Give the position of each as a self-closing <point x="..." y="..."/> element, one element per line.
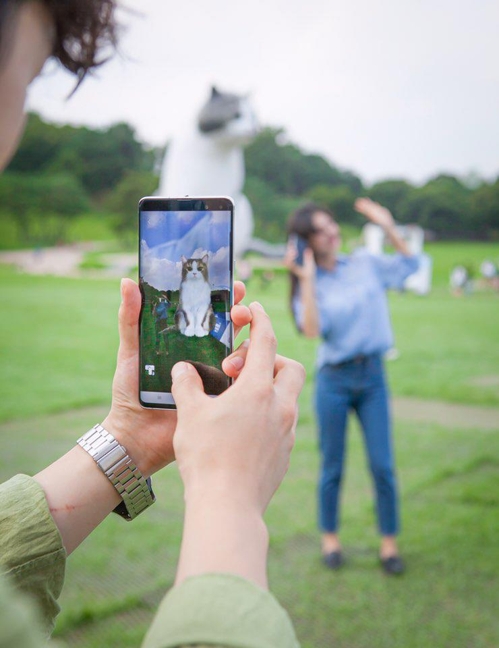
<point x="373" y="211"/>
<point x="238" y="444"/>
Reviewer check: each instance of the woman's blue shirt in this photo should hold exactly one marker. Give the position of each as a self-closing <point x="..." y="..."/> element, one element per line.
<point x="353" y="306"/>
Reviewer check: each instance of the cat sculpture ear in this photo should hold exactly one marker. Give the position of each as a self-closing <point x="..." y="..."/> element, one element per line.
<point x="220" y="109"/>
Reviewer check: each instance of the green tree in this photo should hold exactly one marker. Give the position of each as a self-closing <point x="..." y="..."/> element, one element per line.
<point x="99" y="159"/>
<point x="484" y="210"/>
<point x="339" y="199"/>
<point x="442" y="206"/>
<point x="40" y="146"/>
<point x="391" y="194"/>
<point x="270" y="210"/>
<point x="122" y="202"/>
<point x="289" y="171"/>
<point x="41" y="206"/>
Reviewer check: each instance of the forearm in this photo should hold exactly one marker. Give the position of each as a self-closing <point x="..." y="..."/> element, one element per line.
<point x="310" y="324"/>
<point x="396" y="240"/>
<point x="79" y="495"/>
<point x="222" y="535"/>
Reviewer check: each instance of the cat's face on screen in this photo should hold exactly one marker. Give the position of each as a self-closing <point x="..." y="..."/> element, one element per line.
<point x="195" y="269"/>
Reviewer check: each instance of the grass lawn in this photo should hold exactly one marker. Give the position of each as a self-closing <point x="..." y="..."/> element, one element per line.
<point x="54" y="330"/>
<point x="448" y="597"/>
<point x="58" y="343"/>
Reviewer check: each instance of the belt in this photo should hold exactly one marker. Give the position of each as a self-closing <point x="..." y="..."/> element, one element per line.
<point x="356" y="360"/>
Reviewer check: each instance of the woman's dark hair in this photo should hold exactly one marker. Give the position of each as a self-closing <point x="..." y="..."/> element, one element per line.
<point x="83" y="30"/>
<point x="301" y="223"/>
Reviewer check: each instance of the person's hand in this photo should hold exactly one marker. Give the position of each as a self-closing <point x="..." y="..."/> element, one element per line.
<point x="238" y="444"/>
<point x="147" y="434"/>
<point x="305" y="271"/>
<point x="232" y="452"/>
<point x="374" y="212"/>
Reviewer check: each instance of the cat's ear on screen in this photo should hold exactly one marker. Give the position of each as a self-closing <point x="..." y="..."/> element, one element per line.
<point x="205" y="258"/>
<point x="183" y="259"/>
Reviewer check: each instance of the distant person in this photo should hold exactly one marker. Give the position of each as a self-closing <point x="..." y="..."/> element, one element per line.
<point x="490" y="274"/>
<point x="160" y="314"/>
<point x="460" y="280"/>
<point x="342" y="299"/>
<point x="232" y="451"/>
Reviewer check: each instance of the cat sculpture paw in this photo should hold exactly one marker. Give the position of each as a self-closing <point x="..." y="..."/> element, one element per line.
<point x="189" y="331"/>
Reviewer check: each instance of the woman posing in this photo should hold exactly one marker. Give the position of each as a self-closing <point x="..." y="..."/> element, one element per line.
<point x="342" y="299"/>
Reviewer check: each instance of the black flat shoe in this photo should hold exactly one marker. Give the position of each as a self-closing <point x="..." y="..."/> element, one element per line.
<point x="393" y="565"/>
<point x="333" y="560"/>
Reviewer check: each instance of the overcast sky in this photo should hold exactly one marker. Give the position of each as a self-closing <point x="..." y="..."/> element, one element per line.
<point x="384" y="88"/>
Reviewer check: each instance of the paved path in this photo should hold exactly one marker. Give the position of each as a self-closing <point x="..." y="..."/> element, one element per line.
<point x="64" y="261"/>
<point x="61" y="261"/>
<point x="448" y="415"/>
<point x="451" y="415"/>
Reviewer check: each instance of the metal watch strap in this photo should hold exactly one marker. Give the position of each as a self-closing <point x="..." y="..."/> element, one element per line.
<point x="113" y="460"/>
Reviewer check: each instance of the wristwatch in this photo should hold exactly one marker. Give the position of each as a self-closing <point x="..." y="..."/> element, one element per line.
<point x="112" y="458"/>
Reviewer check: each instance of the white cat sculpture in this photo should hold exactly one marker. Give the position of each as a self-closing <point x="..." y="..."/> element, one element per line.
<point x="209" y="160"/>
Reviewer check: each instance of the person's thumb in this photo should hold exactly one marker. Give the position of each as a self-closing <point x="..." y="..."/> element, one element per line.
<point x="187" y="386"/>
<point x="128" y="319"/>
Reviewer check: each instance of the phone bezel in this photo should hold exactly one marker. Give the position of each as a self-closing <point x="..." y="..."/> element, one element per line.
<point x="186" y="203"/>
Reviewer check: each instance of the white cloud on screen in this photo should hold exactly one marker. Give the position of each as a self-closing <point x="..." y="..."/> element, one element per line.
<point x="154" y="219"/>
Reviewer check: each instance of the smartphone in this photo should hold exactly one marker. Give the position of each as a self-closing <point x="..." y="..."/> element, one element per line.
<point x="186" y="281"/>
<point x="300" y="244"/>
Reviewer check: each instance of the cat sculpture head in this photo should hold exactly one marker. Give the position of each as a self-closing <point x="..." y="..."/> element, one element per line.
<point x="195" y="269"/>
<point x="228" y="117"/>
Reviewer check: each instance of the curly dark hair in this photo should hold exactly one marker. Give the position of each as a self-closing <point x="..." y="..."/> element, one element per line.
<point x="84" y="29"/>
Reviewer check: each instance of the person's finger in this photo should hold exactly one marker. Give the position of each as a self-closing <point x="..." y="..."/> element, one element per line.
<point x="233" y="364"/>
<point x="260" y="359"/>
<point x="289" y="377"/>
<point x="308" y="256"/>
<point x="187" y="386"/>
<point x="128" y="319"/>
<point x="241" y="317"/>
<point x="290" y="256"/>
<point x="239" y="291"/>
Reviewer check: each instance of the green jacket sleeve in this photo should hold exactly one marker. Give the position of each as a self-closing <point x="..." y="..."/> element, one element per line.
<point x="31" y="550"/>
<point x="19" y="621"/>
<point x="220" y="610"/>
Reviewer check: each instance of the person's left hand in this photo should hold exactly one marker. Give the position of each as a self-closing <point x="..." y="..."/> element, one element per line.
<point x="374" y="212"/>
<point x="147" y="434"/>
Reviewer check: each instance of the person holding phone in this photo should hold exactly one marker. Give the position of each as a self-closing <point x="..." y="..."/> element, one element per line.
<point x="221" y="594"/>
<point x="342" y="299"/>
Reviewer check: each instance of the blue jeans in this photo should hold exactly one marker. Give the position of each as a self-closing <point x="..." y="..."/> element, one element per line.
<point x="357" y="385"/>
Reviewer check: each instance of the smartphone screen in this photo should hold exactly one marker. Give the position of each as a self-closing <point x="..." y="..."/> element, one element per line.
<point x="185" y="277"/>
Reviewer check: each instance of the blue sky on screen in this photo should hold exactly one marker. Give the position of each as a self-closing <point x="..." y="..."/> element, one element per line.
<point x="167" y="236"/>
